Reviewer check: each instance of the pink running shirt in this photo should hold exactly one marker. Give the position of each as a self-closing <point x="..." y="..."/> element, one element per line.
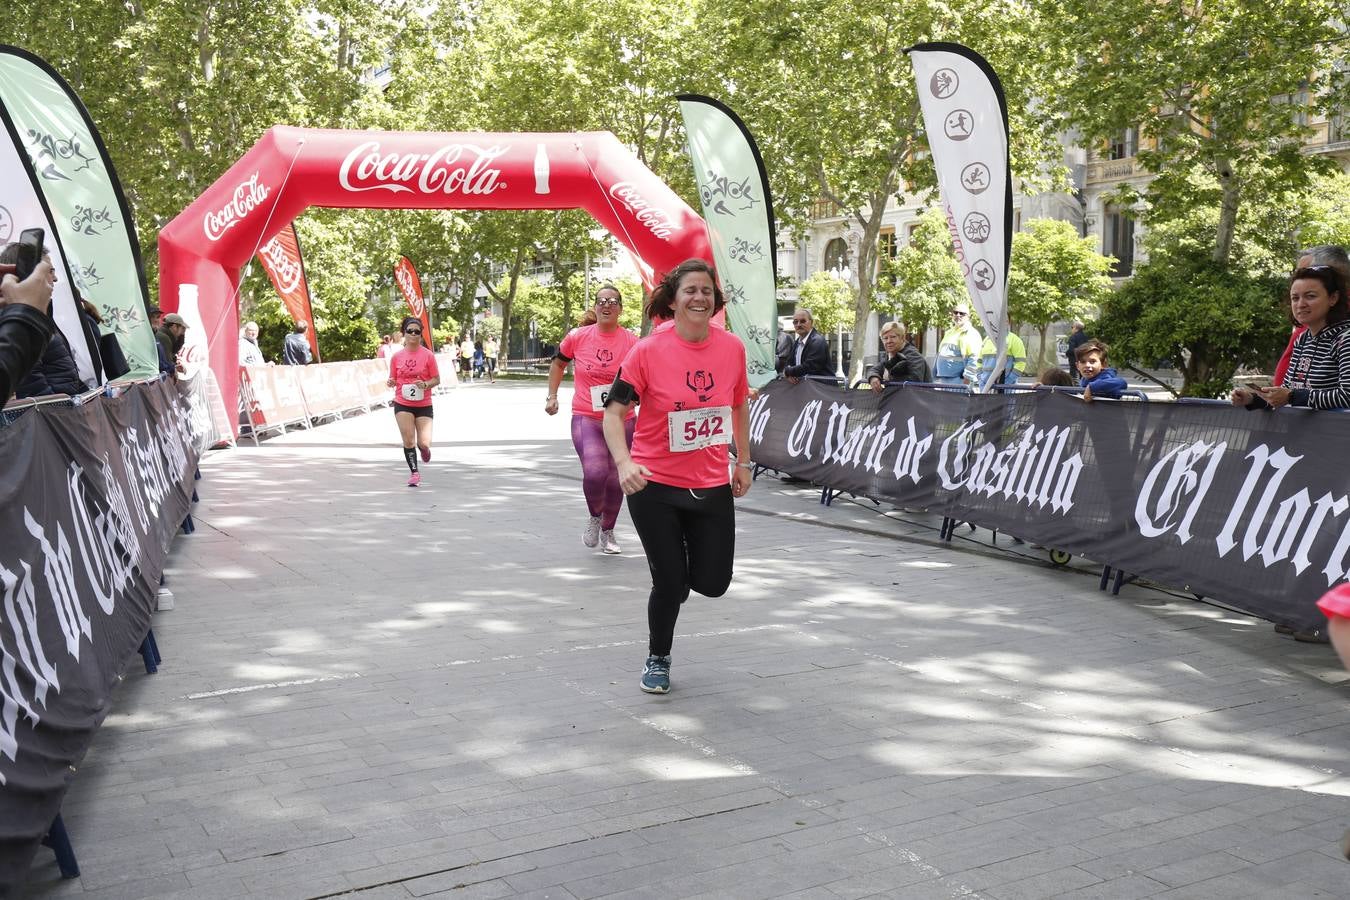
<point x="1336" y="602"/>
<point x="595" y="359"/>
<point x="672" y="375"/>
<point x="407" y="366"/>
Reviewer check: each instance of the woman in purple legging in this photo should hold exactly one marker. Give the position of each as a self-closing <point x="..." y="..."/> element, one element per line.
<point x="595" y="352"/>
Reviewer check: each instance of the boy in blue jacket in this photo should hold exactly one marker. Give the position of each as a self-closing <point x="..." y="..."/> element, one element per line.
<point x="1098" y="380"/>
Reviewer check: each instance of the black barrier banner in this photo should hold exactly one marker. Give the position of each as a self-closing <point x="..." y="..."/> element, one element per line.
<point x="1251" y="509"/>
<point x="91" y="497"/>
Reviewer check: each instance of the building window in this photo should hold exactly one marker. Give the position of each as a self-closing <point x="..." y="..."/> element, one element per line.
<point x="886" y="250"/>
<point x="825" y="209"/>
<point x="836" y="255"/>
<point x="1118" y="240"/>
<point x="1299" y="102"/>
<point x="1125" y="144"/>
<point x="1338" y="127"/>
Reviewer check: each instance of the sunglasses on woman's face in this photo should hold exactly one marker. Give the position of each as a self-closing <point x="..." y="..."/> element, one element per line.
<point x="609" y="302"/>
<point x="414" y="333"/>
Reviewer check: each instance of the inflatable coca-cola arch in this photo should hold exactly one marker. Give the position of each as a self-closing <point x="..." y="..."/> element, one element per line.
<point x="203" y="250"/>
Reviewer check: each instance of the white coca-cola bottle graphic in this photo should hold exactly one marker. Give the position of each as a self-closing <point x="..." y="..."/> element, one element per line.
<point x="540" y="169"/>
<point x="193" y="357"/>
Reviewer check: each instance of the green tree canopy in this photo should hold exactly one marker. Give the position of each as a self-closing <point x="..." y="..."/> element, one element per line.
<point x="830" y="300"/>
<point x="1221" y="93"/>
<point x="1056" y="275"/>
<point x="927" y="278"/>
<point x="1204" y="317"/>
<point x="830" y="95"/>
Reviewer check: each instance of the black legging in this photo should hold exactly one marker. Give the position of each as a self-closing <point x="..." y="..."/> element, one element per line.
<point x="690" y="539"/>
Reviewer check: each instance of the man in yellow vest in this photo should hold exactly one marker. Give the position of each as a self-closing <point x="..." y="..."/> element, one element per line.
<point x="958" y="356"/>
<point x="1014" y="366"/>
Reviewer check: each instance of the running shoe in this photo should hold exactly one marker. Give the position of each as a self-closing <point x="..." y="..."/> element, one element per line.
<point x="591" y="536"/>
<point x="415" y="480"/>
<point x="656" y="675"/>
<point x="426" y="454"/>
<point x="607" y="542"/>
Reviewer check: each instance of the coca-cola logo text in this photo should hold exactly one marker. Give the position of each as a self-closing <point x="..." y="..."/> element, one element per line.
<point x="454" y="168"/>
<point x="247" y="197"/>
<point x="653" y="218"/>
<point x="405" y="281"/>
<point x="284" y="268"/>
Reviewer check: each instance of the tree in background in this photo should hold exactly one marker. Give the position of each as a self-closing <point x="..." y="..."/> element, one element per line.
<point x="1325" y="215"/>
<point x="830" y="96"/>
<point x="180" y="89"/>
<point x="830" y="300"/>
<point x="1221" y="94"/>
<point x="1201" y="316"/>
<point x="1056" y="275"/>
<point x="490" y="327"/>
<point x="924" y="280"/>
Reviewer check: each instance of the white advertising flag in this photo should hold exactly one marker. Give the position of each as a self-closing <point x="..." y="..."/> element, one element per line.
<point x="21" y="207"/>
<point x="966" y="118"/>
<point x="734" y="189"/>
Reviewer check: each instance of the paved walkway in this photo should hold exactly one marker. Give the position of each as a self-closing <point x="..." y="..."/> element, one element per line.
<point x="380" y="692"/>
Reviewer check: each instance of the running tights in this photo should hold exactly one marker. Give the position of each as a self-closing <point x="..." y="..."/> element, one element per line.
<point x="599" y="475"/>
<point x="690" y="540"/>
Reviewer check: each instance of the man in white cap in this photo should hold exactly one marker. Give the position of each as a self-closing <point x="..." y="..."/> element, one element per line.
<point x="958" y="355"/>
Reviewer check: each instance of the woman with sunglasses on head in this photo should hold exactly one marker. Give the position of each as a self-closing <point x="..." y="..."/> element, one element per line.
<point x="1318" y="376"/>
<point x="595" y="351"/>
<point x="413" y="374"/>
<point x="691" y="381"/>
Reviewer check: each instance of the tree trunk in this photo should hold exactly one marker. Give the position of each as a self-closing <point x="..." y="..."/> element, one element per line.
<point x="1228" y="210"/>
<point x="510" y="296"/>
<point x="1041" y="360"/>
<point x="867" y="273"/>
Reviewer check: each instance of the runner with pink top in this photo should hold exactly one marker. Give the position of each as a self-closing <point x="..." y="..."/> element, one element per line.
<point x="594" y="351"/>
<point x="412" y="374"/>
<point x="1335" y="605"/>
<point x="691" y="382"/>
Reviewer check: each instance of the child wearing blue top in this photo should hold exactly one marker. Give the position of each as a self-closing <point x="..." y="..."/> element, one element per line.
<point x="1098" y="380"/>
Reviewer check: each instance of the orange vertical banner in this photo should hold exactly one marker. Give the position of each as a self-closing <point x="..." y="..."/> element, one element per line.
<point x="286" y="267"/>
<point x="411" y="286"/>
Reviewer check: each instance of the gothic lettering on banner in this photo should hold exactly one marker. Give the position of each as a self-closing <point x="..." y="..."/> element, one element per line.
<point x="1246" y="509"/>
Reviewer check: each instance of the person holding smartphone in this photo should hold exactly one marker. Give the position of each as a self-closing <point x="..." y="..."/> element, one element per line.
<point x="692" y="383"/>
<point x="25" y="325"/>
<point x="55" y="371"/>
<point x="413" y="374"/>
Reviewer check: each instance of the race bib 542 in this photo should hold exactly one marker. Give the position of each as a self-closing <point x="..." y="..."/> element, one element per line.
<point x="694" y="429"/>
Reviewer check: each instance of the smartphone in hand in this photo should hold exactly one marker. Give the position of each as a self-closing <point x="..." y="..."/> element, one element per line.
<point x="30" y="252"/>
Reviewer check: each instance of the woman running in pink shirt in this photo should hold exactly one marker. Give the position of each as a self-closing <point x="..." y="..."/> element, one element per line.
<point x="412" y="375"/>
<point x="595" y="352"/>
<point x="691" y="381"/>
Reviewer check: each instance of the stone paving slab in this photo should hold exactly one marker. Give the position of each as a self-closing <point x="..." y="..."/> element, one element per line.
<point x="376" y="692"/>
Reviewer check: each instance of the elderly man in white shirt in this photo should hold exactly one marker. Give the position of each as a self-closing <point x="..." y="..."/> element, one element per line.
<point x="249" y="354"/>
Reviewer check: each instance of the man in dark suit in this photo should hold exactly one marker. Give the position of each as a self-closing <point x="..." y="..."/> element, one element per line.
<point x="810" y="352"/>
<point x="783" y="353"/>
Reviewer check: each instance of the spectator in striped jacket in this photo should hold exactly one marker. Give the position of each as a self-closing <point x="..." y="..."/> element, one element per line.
<point x="1319" y="367"/>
